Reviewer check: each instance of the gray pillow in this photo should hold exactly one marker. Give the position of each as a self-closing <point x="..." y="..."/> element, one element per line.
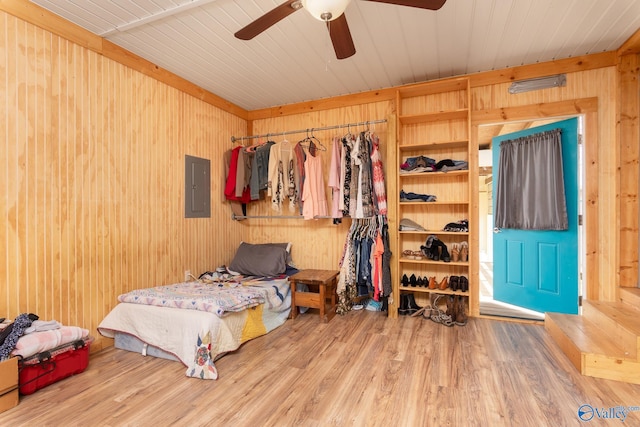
<point x="267" y="259"/>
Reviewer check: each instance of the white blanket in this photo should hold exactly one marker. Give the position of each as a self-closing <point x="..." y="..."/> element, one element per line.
<point x="37" y="342"/>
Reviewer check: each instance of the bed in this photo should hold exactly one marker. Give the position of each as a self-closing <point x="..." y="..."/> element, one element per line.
<point x="197" y="322"/>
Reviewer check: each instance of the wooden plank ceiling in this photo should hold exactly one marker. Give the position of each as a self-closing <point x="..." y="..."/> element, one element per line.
<point x="293" y="61"/>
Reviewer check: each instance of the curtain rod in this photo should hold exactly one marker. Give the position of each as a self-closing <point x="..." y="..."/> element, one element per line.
<point x="267" y="135"/>
<point x="238" y="217"/>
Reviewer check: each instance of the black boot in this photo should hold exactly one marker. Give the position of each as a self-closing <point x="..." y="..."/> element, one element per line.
<point x="412" y="307"/>
<point x="436" y="250"/>
<point x="402" y="310"/>
<point x="464" y="284"/>
<point x="404" y="280"/>
<point x="443" y="252"/>
<point x="454" y="282"/>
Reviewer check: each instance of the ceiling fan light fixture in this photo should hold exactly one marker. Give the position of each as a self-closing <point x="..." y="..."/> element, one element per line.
<point x="325" y="10"/>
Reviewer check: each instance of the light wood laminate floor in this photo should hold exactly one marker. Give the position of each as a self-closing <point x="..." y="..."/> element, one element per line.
<point x="360" y="369"/>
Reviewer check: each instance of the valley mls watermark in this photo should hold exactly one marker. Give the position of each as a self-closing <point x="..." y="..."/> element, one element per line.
<point x="587" y="412"/>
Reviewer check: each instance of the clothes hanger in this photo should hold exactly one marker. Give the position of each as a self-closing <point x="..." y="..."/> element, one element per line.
<point x="311" y="143"/>
<point x="314" y="138"/>
<point x="304" y="141"/>
<point x="348" y="134"/>
<point x="252" y="148"/>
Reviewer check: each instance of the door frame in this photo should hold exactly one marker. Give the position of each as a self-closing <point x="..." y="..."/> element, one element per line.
<point x="586" y="107"/>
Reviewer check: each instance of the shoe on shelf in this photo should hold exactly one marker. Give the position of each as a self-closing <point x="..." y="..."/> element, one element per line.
<point x="404" y="280"/>
<point x="413" y="281"/>
<point x="437" y="252"/>
<point x="455" y="253"/>
<point x="454" y="283"/>
<point x="463" y="284"/>
<point x="444" y="283"/>
<point x="432" y="282"/>
<point x="464" y="251"/>
<point x="445" y="253"/>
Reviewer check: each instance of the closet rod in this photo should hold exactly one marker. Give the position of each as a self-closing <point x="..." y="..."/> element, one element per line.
<point x="288" y="132"/>
<point x="236" y="217"/>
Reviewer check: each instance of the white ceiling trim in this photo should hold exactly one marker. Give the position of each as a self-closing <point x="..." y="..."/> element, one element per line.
<point x="166" y="13"/>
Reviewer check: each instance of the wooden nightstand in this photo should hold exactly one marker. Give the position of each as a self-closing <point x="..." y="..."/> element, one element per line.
<point x="326" y="282"/>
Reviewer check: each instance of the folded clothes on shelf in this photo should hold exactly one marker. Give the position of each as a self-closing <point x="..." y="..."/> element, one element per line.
<point x="408" y="225"/>
<point x="427" y="164"/>
<point x="460" y="226"/>
<point x="416" y="197"/>
<point x="451" y="165"/>
<point x="417" y="162"/>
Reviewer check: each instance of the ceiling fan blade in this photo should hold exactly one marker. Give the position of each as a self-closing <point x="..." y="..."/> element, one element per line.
<point x="341" y="37"/>
<point x="267" y="20"/>
<point x="422" y="4"/>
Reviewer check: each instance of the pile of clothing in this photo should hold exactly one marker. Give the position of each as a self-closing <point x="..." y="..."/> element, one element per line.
<point x="11" y="333"/>
<point x="427" y="164"/>
<point x="461" y="226"/>
<point x="416" y="197"/>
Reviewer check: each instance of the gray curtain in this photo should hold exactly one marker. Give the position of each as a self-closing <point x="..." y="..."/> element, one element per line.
<point x="530" y="190"/>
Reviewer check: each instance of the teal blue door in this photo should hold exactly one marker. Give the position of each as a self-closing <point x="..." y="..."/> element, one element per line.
<point x="535" y="269"/>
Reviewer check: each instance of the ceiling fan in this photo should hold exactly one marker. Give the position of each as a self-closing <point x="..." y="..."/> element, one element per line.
<point x="329" y="11"/>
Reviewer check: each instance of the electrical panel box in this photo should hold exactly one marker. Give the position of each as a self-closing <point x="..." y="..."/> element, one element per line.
<point x="197" y="187"/>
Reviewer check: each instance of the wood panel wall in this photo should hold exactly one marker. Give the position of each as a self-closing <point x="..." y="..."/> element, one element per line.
<point x="92" y="159"/>
<point x="629" y="137"/>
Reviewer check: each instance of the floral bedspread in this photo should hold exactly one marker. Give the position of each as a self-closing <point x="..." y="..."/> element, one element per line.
<point x="197" y="337"/>
<point x="219" y="298"/>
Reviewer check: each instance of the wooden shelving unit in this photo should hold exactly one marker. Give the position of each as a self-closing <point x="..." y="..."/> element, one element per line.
<point x="434" y="121"/>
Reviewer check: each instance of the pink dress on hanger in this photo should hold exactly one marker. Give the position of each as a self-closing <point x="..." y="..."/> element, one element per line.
<point x="334" y="178"/>
<point x="314" y="196"/>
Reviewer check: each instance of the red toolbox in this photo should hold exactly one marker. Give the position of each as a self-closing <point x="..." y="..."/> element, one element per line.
<point x="47" y="367"/>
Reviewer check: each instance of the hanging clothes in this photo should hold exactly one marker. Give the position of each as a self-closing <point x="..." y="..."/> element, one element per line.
<point x="364" y="196"/>
<point x="346" y="173"/>
<point x="243" y="173"/>
<point x="314" y="197"/>
<point x="365" y="268"/>
<point x="300" y="157"/>
<point x="362" y="184"/>
<point x="377" y="176"/>
<point x="232" y="176"/>
<point x="259" y="180"/>
<point x="281" y="185"/>
<point x="334" y="178"/>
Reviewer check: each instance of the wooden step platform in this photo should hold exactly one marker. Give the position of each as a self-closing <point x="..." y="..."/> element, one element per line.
<point x="603" y="342"/>
<point x="630" y="296"/>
